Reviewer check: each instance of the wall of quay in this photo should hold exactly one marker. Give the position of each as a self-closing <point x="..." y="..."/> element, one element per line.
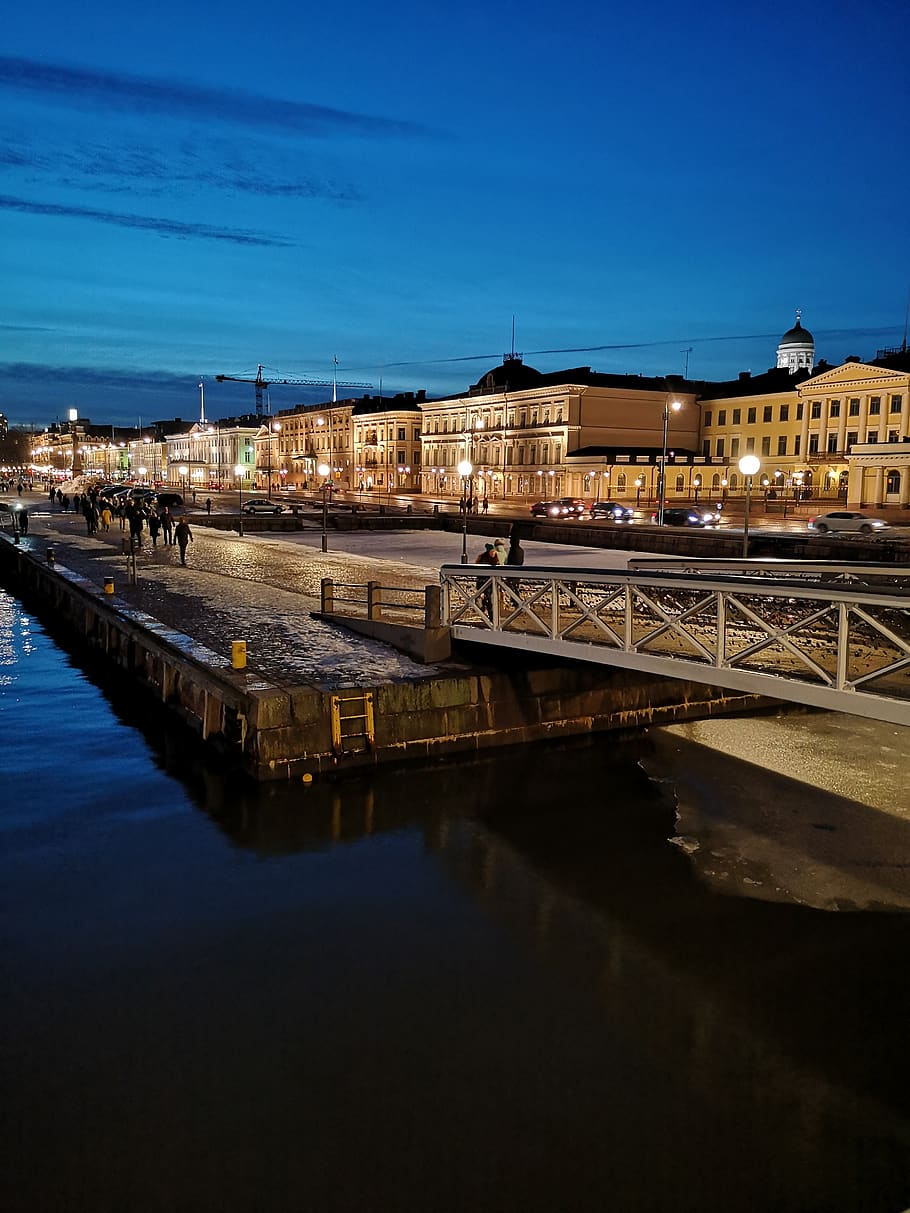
<point x="272" y="732"/>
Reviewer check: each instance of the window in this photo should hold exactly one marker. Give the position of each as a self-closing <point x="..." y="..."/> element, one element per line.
<point x="766" y="415"/>
<point x="892" y="435"/>
<point x="816" y="410"/>
<point x="766" y="445"/>
<point x="720" y="448"/>
<point x="708" y="416"/>
<point x="784" y="412"/>
<point x="736" y="416"/>
<point x="401" y="459"/>
<point x="872" y="436"/>
<point x="706" y="447"/>
<point x="734" y="447"/>
<point x="782" y="444"/>
<point x="896" y="402"/>
<point x="621" y="482"/>
<point x="416" y="433"/>
<point x="799" y="411"/>
<point x="750" y="444"/>
<point x="834" y="408"/>
<point x="401" y="433"/>
<point x="892" y="481"/>
<point x="853" y="407"/>
<point x="750" y="417"/>
<point x="680" y="484"/>
<point x="832" y="444"/>
<point x="722" y="417"/>
<point x="851" y="438"/>
<point x="813" y="444"/>
<point x="875" y="405"/>
<point x="797" y="443"/>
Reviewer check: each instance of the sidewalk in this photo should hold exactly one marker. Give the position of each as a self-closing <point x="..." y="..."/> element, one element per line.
<point x="263" y="589"/>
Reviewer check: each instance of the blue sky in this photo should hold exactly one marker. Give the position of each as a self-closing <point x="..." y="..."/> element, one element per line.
<point x="188" y="190"/>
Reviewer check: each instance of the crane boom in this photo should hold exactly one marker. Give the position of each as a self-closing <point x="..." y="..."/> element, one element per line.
<point x="262" y="384"/>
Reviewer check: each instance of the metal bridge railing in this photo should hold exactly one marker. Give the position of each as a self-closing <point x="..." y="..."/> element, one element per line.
<point x="808" y="634"/>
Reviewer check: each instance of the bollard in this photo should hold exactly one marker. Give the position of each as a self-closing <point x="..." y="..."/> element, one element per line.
<point x="238" y="654"/>
<point x="49" y="556"/>
<point x="108" y="585"/>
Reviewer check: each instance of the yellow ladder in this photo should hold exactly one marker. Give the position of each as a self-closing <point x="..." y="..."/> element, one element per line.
<point x="352" y="723"/>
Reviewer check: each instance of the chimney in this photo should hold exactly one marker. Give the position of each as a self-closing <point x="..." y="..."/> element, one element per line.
<point x="745" y="375"/>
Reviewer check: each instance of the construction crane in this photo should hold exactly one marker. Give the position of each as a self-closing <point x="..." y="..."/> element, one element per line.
<point x="263" y="385"/>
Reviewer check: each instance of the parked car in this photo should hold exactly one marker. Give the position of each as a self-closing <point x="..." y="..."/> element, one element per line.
<point x="171" y="500"/>
<point x="686" y="516"/>
<point x="259" y="505"/>
<point x="612" y="510"/>
<point x="845" y="520"/>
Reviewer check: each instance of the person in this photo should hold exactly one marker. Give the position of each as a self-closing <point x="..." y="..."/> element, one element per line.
<point x="194" y="496"/>
<point x="208" y="505"/>
<point x="154" y="527"/>
<point x="22" y="513"/>
<point x="486" y="504"/>
<point x="182" y="536"/>
<point x="499" y="547"/>
<point x="167" y="525"/>
<point x="487" y="556"/>
<point x="516" y="553"/>
<point x="134" y="517"/>
<point x="106" y="517"/>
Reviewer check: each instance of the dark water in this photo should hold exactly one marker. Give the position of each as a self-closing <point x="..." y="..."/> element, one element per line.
<point x="493" y="985"/>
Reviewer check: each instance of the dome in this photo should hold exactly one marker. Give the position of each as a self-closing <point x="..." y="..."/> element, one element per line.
<point x="797" y="336"/>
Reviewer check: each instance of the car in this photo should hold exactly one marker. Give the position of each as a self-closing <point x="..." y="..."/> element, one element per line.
<point x="613" y="511"/>
<point x="845" y="520"/>
<point x="260" y="505"/>
<point x="686" y="516"/>
<point x="574" y="506"/>
<point x="548" y="509"/>
<point x="171" y="500"/>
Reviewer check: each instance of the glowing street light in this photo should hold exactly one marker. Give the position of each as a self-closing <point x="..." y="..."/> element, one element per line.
<point x="675" y="406"/>
<point x="465" y="469"/>
<point x="748" y="465"/>
<point x="323" y="469"/>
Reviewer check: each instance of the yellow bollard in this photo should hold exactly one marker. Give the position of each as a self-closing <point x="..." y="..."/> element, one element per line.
<point x="108" y="585"/>
<point x="238" y="654"/>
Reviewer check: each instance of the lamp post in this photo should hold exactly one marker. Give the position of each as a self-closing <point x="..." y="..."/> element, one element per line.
<point x="696" y="484"/>
<point x="465" y="468"/>
<point x="675" y="406"/>
<point x="182" y="472"/>
<point x="274" y="430"/>
<point x="239" y="472"/>
<point x="748" y="465"/>
<point x="323" y="469"/>
<point x="639" y="484"/>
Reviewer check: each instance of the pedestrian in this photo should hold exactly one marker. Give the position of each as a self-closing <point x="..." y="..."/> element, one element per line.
<point x="516" y="553"/>
<point x="487" y="556"/>
<point x="22" y="513"/>
<point x="167" y="525"/>
<point x="194" y="496"/>
<point x="486" y="504"/>
<point x="208" y="505"/>
<point x="499" y="546"/>
<point x="183" y="535"/>
<point x="106" y="517"/>
<point x="134" y="517"/>
<point x="154" y="527"/>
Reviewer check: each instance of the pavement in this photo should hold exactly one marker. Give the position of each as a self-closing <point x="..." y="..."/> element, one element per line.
<point x="264" y="588"/>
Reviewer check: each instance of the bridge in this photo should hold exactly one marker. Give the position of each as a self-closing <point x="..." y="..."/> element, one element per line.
<point x="829" y="636"/>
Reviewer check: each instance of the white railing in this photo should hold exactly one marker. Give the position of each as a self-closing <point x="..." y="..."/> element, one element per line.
<point x="782" y="629"/>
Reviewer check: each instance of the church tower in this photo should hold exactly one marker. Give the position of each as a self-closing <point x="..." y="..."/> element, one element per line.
<point x="796" y="349"/>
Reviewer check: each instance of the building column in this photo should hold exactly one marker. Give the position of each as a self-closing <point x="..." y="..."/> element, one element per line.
<point x="878" y="496"/>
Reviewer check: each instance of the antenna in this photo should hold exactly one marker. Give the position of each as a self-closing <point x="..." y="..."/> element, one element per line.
<point x="512" y="356"/>
<point x="687" y="352"/>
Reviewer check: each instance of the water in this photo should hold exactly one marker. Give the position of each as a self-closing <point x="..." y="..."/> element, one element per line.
<point x="494" y="985"/>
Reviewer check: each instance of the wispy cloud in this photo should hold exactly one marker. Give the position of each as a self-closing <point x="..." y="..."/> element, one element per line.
<point x="164" y="227"/>
<point x="178" y="99"/>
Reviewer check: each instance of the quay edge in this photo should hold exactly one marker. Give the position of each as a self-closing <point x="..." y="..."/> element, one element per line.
<point x="272" y="732"/>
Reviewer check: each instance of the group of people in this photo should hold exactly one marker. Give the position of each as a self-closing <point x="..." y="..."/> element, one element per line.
<point x="99" y="513"/>
<point x="495" y="554"/>
<point x="474" y="505"/>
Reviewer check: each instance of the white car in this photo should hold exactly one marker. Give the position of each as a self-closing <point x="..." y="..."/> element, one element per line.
<point x="259" y="505"/>
<point x="845" y="520"/>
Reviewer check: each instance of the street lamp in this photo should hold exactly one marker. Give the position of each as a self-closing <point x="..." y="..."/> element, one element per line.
<point x="639" y="485"/>
<point x="465" y="468"/>
<point x="675" y="406"/>
<point x="182" y="472"/>
<point x="696" y="484"/>
<point x="323" y="469"/>
<point x="274" y="430"/>
<point x="239" y="472"/>
<point x="748" y="465"/>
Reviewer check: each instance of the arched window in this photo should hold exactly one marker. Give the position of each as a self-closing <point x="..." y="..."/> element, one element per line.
<point x="734" y="481"/>
<point x="680" y="484"/>
<point x="621" y="482"/>
<point x="715" y="482"/>
<point x="892" y="481"/>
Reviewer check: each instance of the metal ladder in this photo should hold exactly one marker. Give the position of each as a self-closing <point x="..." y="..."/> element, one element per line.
<point x="352" y="723"/>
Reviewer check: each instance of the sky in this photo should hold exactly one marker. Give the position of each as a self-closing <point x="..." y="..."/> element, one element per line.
<point x="191" y="190"/>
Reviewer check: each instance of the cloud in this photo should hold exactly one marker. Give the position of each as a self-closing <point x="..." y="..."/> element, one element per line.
<point x="177" y="99"/>
<point x="164" y="227"/>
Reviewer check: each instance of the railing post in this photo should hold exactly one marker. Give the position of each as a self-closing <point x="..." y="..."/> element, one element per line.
<point x="432" y="607"/>
<point x="328" y="595"/>
<point x="374" y="600"/>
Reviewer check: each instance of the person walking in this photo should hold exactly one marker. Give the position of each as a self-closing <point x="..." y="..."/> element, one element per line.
<point x="154" y="527"/>
<point x="106" y="517"/>
<point x="490" y="557"/>
<point x="486" y="504"/>
<point x="134" y="517"/>
<point x="208" y="505"/>
<point x="167" y="525"/>
<point x="182" y="536"/>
